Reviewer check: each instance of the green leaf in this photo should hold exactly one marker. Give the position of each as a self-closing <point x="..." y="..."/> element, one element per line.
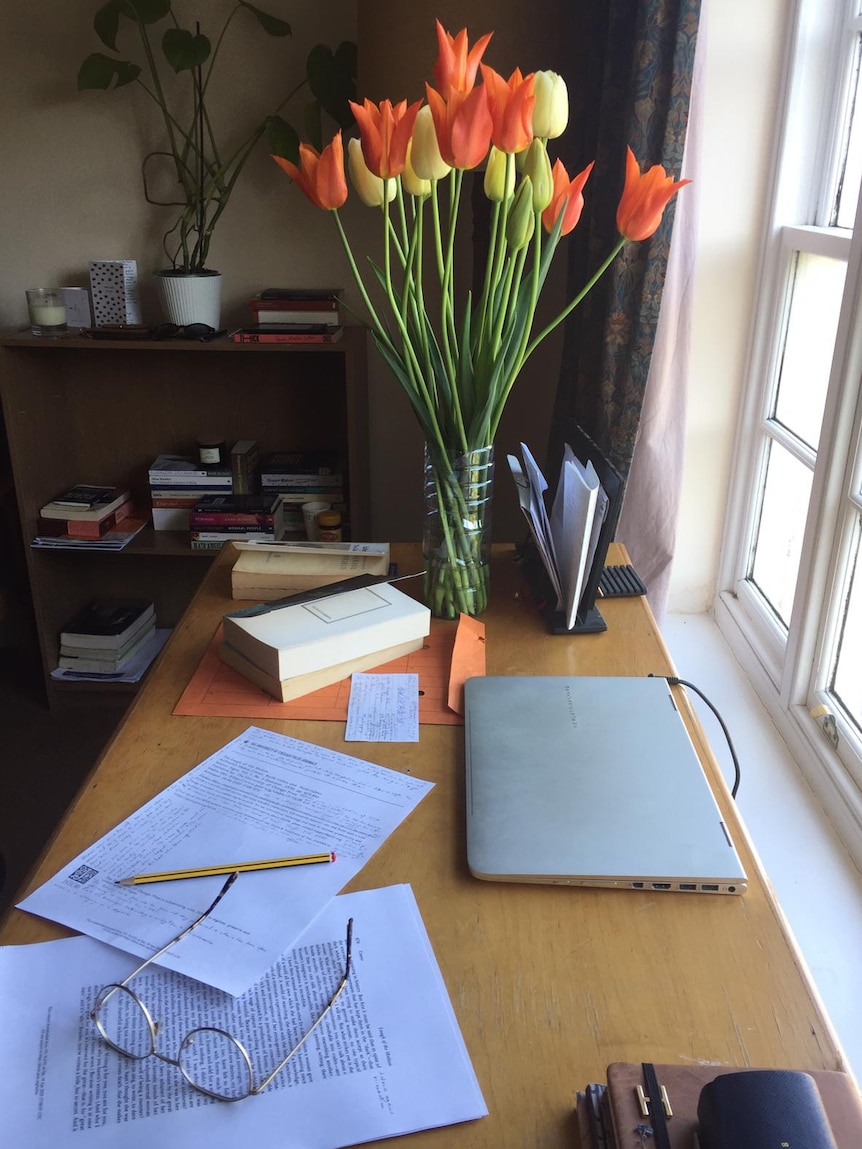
<point x="184" y="50"/>
<point x="101" y="72"/>
<point x="312" y="125"/>
<point x="270" y="24"/>
<point x="332" y="79"/>
<point x="106" y="23"/>
<point x="282" y="139"/>
<point x="146" y="11"/>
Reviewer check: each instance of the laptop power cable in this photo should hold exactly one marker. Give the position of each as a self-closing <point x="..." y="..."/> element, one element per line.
<point x="672" y="680"/>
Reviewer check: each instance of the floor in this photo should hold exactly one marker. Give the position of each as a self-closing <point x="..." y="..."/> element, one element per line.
<point x="818" y="887"/>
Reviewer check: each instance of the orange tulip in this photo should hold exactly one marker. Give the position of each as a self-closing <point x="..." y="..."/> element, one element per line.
<point x="511" y="105"/>
<point x="644" y="198"/>
<point x="455" y="69"/>
<point x="320" y="177"/>
<point x="568" y="198"/>
<point x="385" y="133"/>
<point x="463" y="125"/>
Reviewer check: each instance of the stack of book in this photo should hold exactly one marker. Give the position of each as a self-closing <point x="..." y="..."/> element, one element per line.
<point x="88" y="516"/>
<point x="293" y="315"/>
<point x="85" y="511"/>
<point x="218" y="519"/>
<point x="178" y="483"/>
<point x="301" y="476"/>
<point x="104" y="637"/>
<point x="263" y="574"/>
<point x="290" y="651"/>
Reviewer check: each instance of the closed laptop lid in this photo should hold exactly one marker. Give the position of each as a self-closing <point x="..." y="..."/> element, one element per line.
<point x="590" y="781"/>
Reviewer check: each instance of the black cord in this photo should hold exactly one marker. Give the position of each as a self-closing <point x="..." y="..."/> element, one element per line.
<point x="672" y="680"/>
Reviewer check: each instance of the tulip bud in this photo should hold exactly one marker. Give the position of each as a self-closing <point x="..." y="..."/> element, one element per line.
<point x="369" y="187"/>
<point x="412" y="184"/>
<point x="521" y="221"/>
<point x="551" y="110"/>
<point x="425" y="157"/>
<point x="538" y="167"/>
<point x="499" y="176"/>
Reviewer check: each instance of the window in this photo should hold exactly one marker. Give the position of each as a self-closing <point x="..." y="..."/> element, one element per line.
<point x="791" y="583"/>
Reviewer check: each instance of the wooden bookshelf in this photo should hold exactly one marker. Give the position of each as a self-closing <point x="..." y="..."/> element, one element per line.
<point x="98" y="411"/>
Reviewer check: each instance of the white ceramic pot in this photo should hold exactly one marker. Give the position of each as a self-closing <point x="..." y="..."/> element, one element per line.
<point x="190" y="297"/>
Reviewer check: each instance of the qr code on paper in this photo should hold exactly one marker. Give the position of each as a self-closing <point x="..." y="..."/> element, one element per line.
<point x="83" y="874"/>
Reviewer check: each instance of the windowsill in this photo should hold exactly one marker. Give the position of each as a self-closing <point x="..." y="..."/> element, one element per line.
<point x="817" y="884"/>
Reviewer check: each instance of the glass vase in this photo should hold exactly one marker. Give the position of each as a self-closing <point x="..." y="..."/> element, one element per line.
<point x="456" y="536"/>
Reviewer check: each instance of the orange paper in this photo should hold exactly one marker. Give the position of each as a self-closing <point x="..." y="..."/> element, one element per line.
<point x="216" y="690"/>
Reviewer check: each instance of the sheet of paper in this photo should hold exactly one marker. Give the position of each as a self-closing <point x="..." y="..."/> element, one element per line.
<point x="263" y="795"/>
<point x="526" y="502"/>
<point x="389" y="1059"/>
<point x="383" y="708"/>
<point x="572" y="517"/>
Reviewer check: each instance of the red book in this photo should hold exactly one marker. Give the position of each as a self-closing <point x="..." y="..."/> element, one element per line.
<point x="314" y="334"/>
<point x="84" y="529"/>
<point x="228" y="519"/>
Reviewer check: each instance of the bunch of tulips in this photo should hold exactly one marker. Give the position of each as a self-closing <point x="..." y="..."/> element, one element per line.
<point x="457" y="359"/>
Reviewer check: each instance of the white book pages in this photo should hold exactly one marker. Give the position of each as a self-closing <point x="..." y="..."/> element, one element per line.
<point x="572" y="519"/>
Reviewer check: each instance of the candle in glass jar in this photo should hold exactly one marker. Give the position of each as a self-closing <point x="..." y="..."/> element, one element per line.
<point x="47" y="309"/>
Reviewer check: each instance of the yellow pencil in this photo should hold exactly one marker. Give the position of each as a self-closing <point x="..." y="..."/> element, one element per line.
<point x="231" y="868"/>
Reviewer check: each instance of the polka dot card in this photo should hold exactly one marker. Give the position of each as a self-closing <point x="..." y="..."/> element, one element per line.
<point x="114" y="288"/>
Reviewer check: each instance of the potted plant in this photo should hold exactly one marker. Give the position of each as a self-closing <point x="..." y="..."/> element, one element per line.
<point x="194" y="167"/>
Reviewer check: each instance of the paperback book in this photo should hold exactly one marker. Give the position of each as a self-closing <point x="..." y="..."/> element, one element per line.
<point x="311" y="636"/>
<point x="106" y="624"/>
<point x="264" y="574"/>
<point x="300" y="333"/>
<point x="85" y="504"/>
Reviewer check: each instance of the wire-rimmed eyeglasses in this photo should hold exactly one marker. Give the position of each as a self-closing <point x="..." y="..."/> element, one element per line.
<point x="211" y="1060"/>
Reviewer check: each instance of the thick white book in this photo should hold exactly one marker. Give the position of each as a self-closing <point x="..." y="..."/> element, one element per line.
<point x="309" y="636"/>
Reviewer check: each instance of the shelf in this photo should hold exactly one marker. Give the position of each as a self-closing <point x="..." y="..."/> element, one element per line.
<point x="99" y="411"/>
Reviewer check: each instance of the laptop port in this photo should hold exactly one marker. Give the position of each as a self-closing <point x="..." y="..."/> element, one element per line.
<point x="688" y="885"/>
<point x="661" y="885"/>
<point x="637" y="885"/>
<point x="710" y="889"/>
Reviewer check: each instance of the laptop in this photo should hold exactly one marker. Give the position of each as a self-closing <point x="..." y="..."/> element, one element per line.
<point x="590" y="782"/>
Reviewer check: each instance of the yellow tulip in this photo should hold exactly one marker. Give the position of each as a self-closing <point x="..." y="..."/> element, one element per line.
<point x="551" y="110"/>
<point x="369" y="187"/>
<point x="538" y="167"/>
<point x="499" y="176"/>
<point x="425" y="156"/>
<point x="522" y="218"/>
<point x="412" y="184"/>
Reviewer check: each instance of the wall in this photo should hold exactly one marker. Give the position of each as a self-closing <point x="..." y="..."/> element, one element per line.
<point x="70" y="190"/>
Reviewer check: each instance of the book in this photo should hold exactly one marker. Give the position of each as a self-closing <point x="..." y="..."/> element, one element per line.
<point x="612" y="1118"/>
<point x="118" y="537"/>
<point x="170" y="518"/>
<point x="85" y="528"/>
<point x="302" y="470"/>
<point x="317" y="293"/>
<point x="269" y="318"/>
<point x="180" y="470"/>
<point x="311" y="333"/>
<point x="67" y="507"/>
<point x="301" y="684"/>
<point x="310" y="636"/>
<point x="325" y="306"/>
<point x="264" y="574"/>
<point x="103" y="661"/>
<point x="244" y="461"/>
<point x="107" y="623"/>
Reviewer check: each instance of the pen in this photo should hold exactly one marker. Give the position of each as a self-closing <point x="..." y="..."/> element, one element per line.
<point x="231" y="868"/>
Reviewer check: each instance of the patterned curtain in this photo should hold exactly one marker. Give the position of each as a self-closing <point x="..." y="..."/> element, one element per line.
<point x="634" y="74"/>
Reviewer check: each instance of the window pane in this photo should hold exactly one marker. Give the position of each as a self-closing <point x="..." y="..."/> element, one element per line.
<point x="808" y="346"/>
<point x="848" y="184"/>
<point x="778" y="543"/>
<point x="847" y="679"/>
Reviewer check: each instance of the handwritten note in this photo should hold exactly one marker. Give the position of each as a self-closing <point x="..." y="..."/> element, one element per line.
<point x="383" y="708"/>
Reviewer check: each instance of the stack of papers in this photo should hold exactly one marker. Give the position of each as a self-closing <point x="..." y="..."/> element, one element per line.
<point x="567" y="538"/>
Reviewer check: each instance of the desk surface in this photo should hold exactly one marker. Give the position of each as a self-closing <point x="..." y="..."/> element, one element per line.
<point x="549" y="984"/>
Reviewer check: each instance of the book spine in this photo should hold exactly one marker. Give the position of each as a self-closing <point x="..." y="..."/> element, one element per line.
<point x="84" y="529"/>
<point x="227" y="531"/>
<point x="285" y="318"/>
<point x="177" y="483"/>
<point x="297" y="304"/>
<point x="281" y="337"/>
<point x="229" y="519"/>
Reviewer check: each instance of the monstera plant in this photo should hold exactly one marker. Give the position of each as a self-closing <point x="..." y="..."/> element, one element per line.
<point x="194" y="170"/>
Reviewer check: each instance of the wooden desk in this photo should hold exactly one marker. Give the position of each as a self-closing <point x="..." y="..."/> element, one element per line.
<point x="549" y="984"/>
